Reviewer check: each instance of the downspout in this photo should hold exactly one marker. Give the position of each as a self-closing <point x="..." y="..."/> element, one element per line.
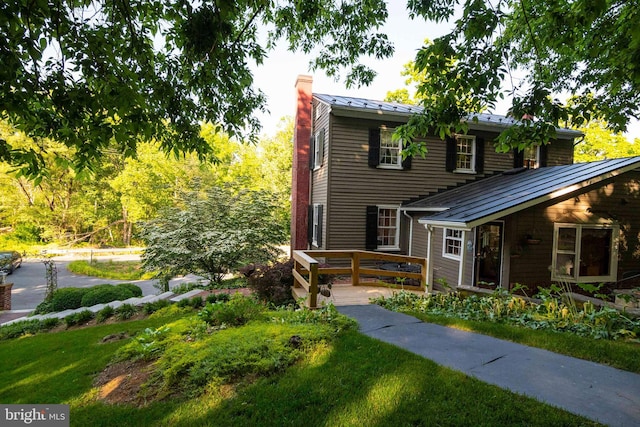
<point x="429" y="257"/>
<point x="410" y="231"/>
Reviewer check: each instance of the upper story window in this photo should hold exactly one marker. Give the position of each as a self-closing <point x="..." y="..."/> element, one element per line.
<point x="585" y="252"/>
<point x="318" y="149"/>
<point x="452" y="244"/>
<point x="465" y="154"/>
<point x="531" y="157"/>
<point x="384" y="152"/>
<point x="390" y="150"/>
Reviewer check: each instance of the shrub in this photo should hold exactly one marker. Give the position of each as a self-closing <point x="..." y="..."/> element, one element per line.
<point x="196" y="302"/>
<point x="152" y="307"/>
<point x="27" y="327"/>
<point x="237" y="311"/>
<point x="125" y="311"/>
<point x="213" y="298"/>
<point x="271" y="283"/>
<point x="135" y="290"/>
<point x="68" y="298"/>
<point x="105" y="313"/>
<point x="44" y="307"/>
<point x="102" y="294"/>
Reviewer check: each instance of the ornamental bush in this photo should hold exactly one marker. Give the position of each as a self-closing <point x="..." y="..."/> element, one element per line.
<point x="67" y="298"/>
<point x="105" y="293"/>
<point x="271" y="282"/>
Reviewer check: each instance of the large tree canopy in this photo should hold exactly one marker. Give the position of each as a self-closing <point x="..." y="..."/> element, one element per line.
<point x="98" y="73"/>
<point x="92" y="74"/>
<point x="533" y="52"/>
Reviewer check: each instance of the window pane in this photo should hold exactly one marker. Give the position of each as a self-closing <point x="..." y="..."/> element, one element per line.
<point x="565" y="264"/>
<point x="595" y="252"/>
<point x="567" y="239"/>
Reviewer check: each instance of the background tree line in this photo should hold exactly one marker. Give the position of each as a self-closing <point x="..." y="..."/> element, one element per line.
<point x="103" y="206"/>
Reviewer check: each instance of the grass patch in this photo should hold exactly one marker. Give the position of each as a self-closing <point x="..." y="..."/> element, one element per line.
<point x="116" y="270"/>
<point x="256" y="374"/>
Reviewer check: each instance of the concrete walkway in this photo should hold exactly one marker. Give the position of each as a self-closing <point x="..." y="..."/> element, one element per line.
<point x="600" y="393"/>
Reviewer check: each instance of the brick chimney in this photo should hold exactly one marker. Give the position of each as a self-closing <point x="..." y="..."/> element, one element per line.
<point x="301" y="172"/>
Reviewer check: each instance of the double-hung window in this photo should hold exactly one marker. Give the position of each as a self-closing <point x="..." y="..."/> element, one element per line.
<point x="531" y="157"/>
<point x="388" y="227"/>
<point x="318" y="149"/>
<point x="316" y="225"/>
<point x="465" y="153"/>
<point x="585" y="252"/>
<point x="390" y="150"/>
<point x="452" y="243"/>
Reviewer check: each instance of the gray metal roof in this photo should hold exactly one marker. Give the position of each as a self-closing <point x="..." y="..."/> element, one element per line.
<point x="491" y="198"/>
<point x="362" y="105"/>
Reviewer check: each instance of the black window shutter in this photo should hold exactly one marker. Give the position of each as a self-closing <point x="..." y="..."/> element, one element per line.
<point x="518" y="158"/>
<point x="374" y="147"/>
<point x="406" y="162"/>
<point x="544" y="154"/>
<point x="479" y="155"/>
<point x="320" y="142"/>
<point x="320" y="216"/>
<point x="312" y="150"/>
<point x="451" y="154"/>
<point x="309" y="224"/>
<point x="371" y="242"/>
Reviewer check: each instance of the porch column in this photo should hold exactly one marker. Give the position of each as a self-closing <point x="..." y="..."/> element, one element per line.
<point x="429" y="287"/>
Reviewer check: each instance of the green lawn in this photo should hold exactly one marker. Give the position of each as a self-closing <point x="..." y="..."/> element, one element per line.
<point x="352" y="380"/>
<point x="116" y="270"/>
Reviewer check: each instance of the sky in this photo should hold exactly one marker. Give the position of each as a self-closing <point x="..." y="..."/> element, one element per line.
<point x="277" y="76"/>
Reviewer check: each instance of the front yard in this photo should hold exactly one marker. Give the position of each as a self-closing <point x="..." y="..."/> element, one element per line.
<point x="329" y="375"/>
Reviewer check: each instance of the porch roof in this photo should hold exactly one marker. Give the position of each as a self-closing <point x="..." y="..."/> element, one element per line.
<point x="361" y="107"/>
<point x="492" y="198"/>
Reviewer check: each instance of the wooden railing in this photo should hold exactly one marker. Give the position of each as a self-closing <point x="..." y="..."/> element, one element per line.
<point x="307" y="269"/>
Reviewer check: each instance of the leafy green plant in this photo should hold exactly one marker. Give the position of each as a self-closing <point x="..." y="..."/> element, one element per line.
<point x="27" y="327"/>
<point x="554" y="312"/>
<point x="105" y="313"/>
<point x="102" y="294"/>
<point x="67" y="298"/>
<point x="152" y="307"/>
<point x="237" y="311"/>
<point x="125" y="311"/>
<point x="221" y="297"/>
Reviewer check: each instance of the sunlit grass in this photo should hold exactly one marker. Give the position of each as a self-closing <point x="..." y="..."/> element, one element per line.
<point x="350" y="381"/>
<point x="116" y="270"/>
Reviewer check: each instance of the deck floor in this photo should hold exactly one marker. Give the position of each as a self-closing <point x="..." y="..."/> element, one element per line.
<point x="347" y="294"/>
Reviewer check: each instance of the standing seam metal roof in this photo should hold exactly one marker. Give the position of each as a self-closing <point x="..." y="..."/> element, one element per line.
<point x="373" y="106"/>
<point x="487" y="199"/>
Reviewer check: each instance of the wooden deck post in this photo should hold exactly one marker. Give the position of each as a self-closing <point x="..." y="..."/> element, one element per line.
<point x="355" y="268"/>
<point x="313" y="285"/>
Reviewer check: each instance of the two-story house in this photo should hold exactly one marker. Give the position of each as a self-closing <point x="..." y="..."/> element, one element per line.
<point x="478" y="216"/>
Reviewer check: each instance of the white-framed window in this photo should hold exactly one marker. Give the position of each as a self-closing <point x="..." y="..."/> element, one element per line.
<point x="465" y="153"/>
<point x="585" y="252"/>
<point x="388" y="227"/>
<point x="316" y="225"/>
<point x="318" y="148"/>
<point x="531" y="157"/>
<point x="390" y="150"/>
<point x="452" y="243"/>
